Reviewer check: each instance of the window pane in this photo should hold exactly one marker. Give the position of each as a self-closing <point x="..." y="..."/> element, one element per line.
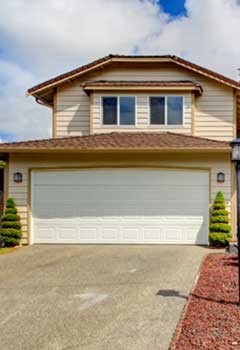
<point x="127" y="110"/>
<point x="109" y="110"/>
<point x="175" y="110"/>
<point x="157" y="110"/>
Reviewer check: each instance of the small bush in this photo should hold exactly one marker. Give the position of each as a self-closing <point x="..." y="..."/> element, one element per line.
<point x="219" y="198"/>
<point x="220" y="227"/>
<point x="10" y="203"/>
<point x="10" y="211"/>
<point x="10" y="230"/>
<point x="219" y="219"/>
<point x="220" y="230"/>
<point x="220" y="212"/>
<point x="217" y="206"/>
<point x="11" y="224"/>
<point x="10" y="217"/>
<point x="219" y="240"/>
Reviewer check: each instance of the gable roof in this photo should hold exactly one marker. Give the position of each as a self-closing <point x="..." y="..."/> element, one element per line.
<point x="117" y="141"/>
<point x="132" y="58"/>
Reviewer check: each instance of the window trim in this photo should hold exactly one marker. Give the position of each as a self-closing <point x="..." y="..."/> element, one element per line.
<point x="166" y="125"/>
<point x="118" y="112"/>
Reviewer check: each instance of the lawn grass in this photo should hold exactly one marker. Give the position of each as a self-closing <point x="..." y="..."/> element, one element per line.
<point x="6" y="250"/>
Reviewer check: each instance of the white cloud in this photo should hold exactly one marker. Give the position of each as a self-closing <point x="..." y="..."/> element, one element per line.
<point x="19" y="115"/>
<point x="49" y="37"/>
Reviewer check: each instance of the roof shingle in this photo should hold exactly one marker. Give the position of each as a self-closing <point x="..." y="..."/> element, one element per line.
<point x="119" y="141"/>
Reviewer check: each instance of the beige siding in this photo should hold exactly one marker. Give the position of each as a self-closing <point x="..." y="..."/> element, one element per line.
<point x="142" y="114"/>
<point x="22" y="163"/>
<point x="213" y="110"/>
<point x="238" y="113"/>
<point x="72" y="111"/>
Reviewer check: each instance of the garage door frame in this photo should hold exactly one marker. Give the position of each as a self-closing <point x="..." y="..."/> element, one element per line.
<point x="100" y="166"/>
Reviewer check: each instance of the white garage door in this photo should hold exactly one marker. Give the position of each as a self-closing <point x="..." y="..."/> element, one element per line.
<point x="142" y="206"/>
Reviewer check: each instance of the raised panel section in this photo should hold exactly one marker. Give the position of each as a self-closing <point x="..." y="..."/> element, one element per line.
<point x="120" y="206"/>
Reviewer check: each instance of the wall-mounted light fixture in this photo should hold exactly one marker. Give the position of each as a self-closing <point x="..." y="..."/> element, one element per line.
<point x="17" y="177"/>
<point x="220" y="177"/>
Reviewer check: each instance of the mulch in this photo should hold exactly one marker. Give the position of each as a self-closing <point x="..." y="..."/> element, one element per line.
<point x="211" y="319"/>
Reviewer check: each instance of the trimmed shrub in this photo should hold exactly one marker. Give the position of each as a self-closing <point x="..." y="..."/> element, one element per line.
<point x="10" y="211"/>
<point x="10" y="217"/>
<point x="10" y="230"/>
<point x="11" y="224"/>
<point x="10" y="203"/>
<point x="219" y="219"/>
<point x="220" y="227"/>
<point x="220" y="212"/>
<point x="217" y="239"/>
<point x="217" y="206"/>
<point x="220" y="230"/>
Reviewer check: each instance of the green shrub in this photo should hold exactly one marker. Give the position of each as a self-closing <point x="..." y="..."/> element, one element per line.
<point x="217" y="206"/>
<point x="10" y="203"/>
<point x="10" y="230"/>
<point x="220" y="230"/>
<point x="10" y="211"/>
<point x="10" y="217"/>
<point x="11" y="224"/>
<point x="220" y="227"/>
<point x="220" y="212"/>
<point x="219" y="219"/>
<point x="219" y="240"/>
<point x="219" y="198"/>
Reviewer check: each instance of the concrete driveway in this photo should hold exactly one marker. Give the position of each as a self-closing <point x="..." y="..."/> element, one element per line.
<point x="94" y="297"/>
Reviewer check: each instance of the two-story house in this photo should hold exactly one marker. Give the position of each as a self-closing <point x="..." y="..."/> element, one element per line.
<point x="140" y="147"/>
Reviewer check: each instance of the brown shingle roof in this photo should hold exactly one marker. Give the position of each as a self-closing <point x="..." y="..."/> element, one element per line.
<point x="109" y="58"/>
<point x="119" y="141"/>
<point x="148" y="83"/>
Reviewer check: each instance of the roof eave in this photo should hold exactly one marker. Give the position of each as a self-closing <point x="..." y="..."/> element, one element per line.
<point x="196" y="90"/>
<point x="117" y="150"/>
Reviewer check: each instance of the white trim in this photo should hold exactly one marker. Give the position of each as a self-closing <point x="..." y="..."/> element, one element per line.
<point x="166" y="125"/>
<point x="118" y="112"/>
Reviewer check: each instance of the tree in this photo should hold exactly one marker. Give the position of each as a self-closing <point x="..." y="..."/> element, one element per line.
<point x="220" y="230"/>
<point x="10" y="230"/>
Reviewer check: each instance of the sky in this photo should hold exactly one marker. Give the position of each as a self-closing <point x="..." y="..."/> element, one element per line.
<point x="40" y="39"/>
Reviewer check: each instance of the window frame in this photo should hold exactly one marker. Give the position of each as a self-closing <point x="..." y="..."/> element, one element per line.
<point x="118" y="112"/>
<point x="166" y="125"/>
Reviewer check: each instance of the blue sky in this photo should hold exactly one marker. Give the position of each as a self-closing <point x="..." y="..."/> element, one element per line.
<point x="40" y="39"/>
<point x="173" y="7"/>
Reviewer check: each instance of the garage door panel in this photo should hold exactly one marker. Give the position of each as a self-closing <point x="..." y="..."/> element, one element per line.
<point x="120" y="206"/>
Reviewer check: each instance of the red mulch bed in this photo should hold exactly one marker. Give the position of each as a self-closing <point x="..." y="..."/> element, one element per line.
<point x="212" y="317"/>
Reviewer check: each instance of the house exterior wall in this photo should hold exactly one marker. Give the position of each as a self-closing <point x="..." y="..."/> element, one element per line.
<point x="21" y="192"/>
<point x="213" y="112"/>
<point x="142" y="113"/>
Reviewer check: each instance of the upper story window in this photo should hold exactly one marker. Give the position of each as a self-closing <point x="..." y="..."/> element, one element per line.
<point x="166" y="110"/>
<point x="118" y="110"/>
